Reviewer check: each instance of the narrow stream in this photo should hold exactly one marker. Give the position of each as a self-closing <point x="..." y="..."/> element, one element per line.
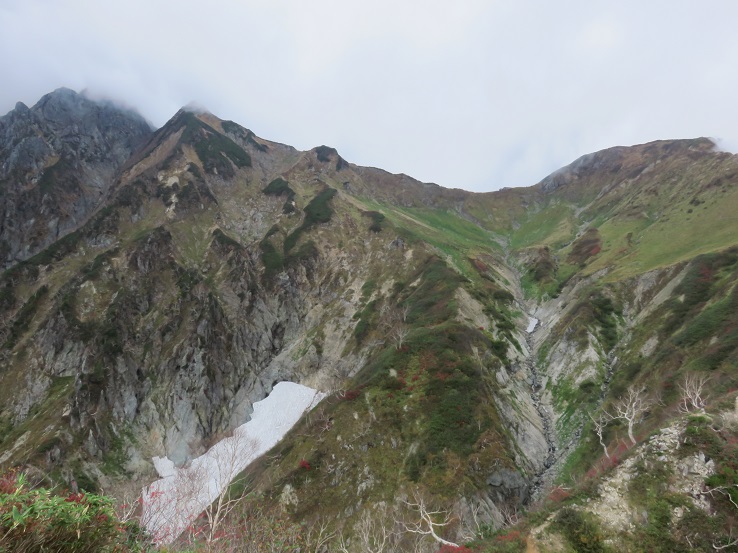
<point x="540" y="479"/>
<point x="544" y="476"/>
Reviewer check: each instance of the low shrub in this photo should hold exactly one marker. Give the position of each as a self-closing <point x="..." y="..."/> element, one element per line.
<point x="40" y="520"/>
<point x="581" y="531"/>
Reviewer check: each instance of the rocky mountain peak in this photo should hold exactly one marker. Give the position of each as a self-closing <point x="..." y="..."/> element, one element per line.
<point x="58" y="161"/>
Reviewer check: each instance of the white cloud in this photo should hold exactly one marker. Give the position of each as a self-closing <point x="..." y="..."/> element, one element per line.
<point x="473" y="94"/>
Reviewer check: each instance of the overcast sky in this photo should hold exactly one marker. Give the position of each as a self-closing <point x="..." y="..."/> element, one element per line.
<point x="471" y="94"/>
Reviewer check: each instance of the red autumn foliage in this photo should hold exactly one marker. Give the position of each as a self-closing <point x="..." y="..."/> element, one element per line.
<point x="558" y="494"/>
<point x="706" y="273"/>
<point x="513" y="535"/>
<point x="597" y="249"/>
<point x="479" y="265"/>
<point x="452" y="549"/>
<point x="304" y="464"/>
<point x="8" y="482"/>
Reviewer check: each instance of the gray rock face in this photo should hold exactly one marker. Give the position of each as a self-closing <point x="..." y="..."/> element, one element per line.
<point x="60" y="157"/>
<point x="507" y="485"/>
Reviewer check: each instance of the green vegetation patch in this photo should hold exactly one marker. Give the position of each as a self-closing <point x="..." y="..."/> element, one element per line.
<point x="280" y="187"/>
<point x="271" y="258"/>
<point x="324" y="154"/>
<point x="581" y="530"/>
<point x="317" y="212"/>
<point x="216" y="152"/>
<point x="245" y="134"/>
<point x="40" y="519"/>
<point x="432" y="301"/>
<point x="543" y="268"/>
<point x="699" y="285"/>
<point x="587" y="245"/>
<point x="552" y="225"/>
<point x="377" y="220"/>
<point x="25" y="316"/>
<point x="222" y="239"/>
<point x="596" y="312"/>
<point x="58" y="250"/>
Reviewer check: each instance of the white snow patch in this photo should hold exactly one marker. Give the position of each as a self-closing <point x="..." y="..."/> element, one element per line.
<point x="532" y="324"/>
<point x="164" y="466"/>
<point x="176" y="500"/>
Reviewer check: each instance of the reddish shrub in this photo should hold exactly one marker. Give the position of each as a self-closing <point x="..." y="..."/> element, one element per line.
<point x="9" y="482"/>
<point x="558" y="494"/>
<point x="479" y="265"/>
<point x="513" y="535"/>
<point x="706" y="273"/>
<point x="452" y="549"/>
<point x="304" y="464"/>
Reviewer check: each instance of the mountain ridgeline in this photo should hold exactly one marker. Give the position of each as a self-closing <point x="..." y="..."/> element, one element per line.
<point x="157" y="283"/>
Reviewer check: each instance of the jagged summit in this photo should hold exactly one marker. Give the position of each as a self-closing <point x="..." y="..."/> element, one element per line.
<point x="59" y="158"/>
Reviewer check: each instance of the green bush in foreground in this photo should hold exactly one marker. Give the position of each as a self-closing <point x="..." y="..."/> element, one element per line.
<point x="36" y="520"/>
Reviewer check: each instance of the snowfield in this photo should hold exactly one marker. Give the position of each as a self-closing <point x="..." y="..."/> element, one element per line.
<point x="173" y="502"/>
<point x="532" y="324"/>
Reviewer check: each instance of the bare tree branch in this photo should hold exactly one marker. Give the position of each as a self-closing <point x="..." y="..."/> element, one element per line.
<point x="399" y="334"/>
<point x="599" y="427"/>
<point x="226" y="461"/>
<point x="730" y="543"/>
<point x="426" y="525"/>
<point x="692" y="390"/>
<point x="723" y="490"/>
<point x="631" y="408"/>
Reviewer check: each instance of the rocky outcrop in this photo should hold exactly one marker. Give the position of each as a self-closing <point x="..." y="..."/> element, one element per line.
<point x="59" y="159"/>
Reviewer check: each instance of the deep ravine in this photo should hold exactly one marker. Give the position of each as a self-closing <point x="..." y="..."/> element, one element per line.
<point x="541" y="479"/>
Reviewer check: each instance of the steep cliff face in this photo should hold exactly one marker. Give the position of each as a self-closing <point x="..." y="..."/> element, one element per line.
<point x="199" y="265"/>
<point x="59" y="159"/>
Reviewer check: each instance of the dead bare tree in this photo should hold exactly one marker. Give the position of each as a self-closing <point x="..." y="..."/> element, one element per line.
<point x="226" y="455"/>
<point x="472" y="525"/>
<point x="599" y="427"/>
<point x="723" y="490"/>
<point x="692" y="388"/>
<point x="510" y="514"/>
<point x="399" y="334"/>
<point x="426" y="524"/>
<point x="478" y="357"/>
<point x="171" y="505"/>
<point x="319" y="536"/>
<point x="404" y="312"/>
<point x="373" y="534"/>
<point x="631" y="408"/>
<point x="731" y="542"/>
